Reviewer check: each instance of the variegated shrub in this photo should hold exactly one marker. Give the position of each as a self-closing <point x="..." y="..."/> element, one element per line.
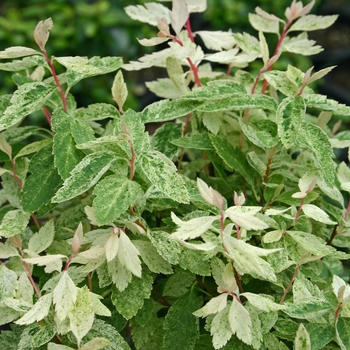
<point x="225" y="229"/>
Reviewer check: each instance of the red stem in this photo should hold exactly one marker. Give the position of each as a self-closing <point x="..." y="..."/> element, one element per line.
<point x="59" y="86"/>
<point x="37" y="291"/>
<point x="298" y="212"/>
<point x="290" y="284"/>
<point x="189" y="29"/>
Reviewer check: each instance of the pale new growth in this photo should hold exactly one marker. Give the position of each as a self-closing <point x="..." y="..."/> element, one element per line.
<point x="210" y="195"/>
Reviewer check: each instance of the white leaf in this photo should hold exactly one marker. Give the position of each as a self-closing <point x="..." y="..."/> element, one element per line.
<point x="272" y="236"/>
<point x="77" y="238"/>
<point x="18" y="304"/>
<point x="313" y="22"/>
<point x="128" y="255"/>
<point x="196" y="5"/>
<point x="119" y="90"/>
<point x="210" y="195"/>
<point x="7" y="251"/>
<point x="264" y="49"/>
<point x="148" y="13"/>
<point x="193" y="228"/>
<point x="262" y="303"/>
<point x="42" y="32"/>
<point x="262" y="24"/>
<point x="343" y="174"/>
<point x="240" y="322"/>
<point x="152" y="41"/>
<point x="111" y="247"/>
<point x="213" y="306"/>
<point x="42" y="239"/>
<point x="217" y="40"/>
<point x="44" y="260"/>
<point x="314" y="212"/>
<point x="99" y="308"/>
<point x="40" y="310"/>
<point x="223" y="57"/>
<point x="95" y="344"/>
<point x="244" y="217"/>
<point x="93" y="253"/>
<point x="54" y="346"/>
<point x="64" y="296"/>
<point x="220" y="328"/>
<point x="179" y="15"/>
<point x="206" y="247"/>
<point x="338" y="284"/>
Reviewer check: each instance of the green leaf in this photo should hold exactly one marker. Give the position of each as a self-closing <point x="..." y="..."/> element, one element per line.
<point x="130" y="300"/>
<point x="289" y="118"/>
<point x="343" y="332"/>
<point x="42" y="239"/>
<point x="320" y="334"/>
<point x="155" y="262"/>
<point x="307" y="309"/>
<point x="233" y="158"/>
<point x="166" y="247"/>
<point x="79" y="68"/>
<point x="13" y="223"/>
<point x="85" y="175"/>
<point x="316" y="140"/>
<point x="67" y="156"/>
<point x="101" y="329"/>
<point x="64" y="296"/>
<point x="161" y="172"/>
<point x="311" y="243"/>
<point x="81" y="314"/>
<point x="43" y="182"/>
<point x="113" y="197"/>
<point x="33" y="147"/>
<point x="196" y="141"/>
<point x="195" y="261"/>
<point x="29" y="98"/>
<point x="18" y="51"/>
<point x="239" y="103"/>
<point x="97" y="111"/>
<point x="313" y="22"/>
<point x="39" y="311"/>
<point x="162" y="139"/>
<point x="166" y="110"/>
<point x="182" y="327"/>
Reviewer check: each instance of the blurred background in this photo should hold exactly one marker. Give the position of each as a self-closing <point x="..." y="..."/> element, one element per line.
<point x="102" y="28"/>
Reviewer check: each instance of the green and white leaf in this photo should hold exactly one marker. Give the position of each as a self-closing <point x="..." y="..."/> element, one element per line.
<point x="313" y="22"/>
<point x="18" y="51"/>
<point x="262" y="303"/>
<point x="220" y="328"/>
<point x="85" y="175"/>
<point x="64" y="296"/>
<point x="13" y="223"/>
<point x="217" y="40"/>
<point x="8" y="280"/>
<point x="6" y="251"/>
<point x="240" y="322"/>
<point x="39" y="310"/>
<point x="149" y="13"/>
<point x="128" y="254"/>
<point x="302" y="339"/>
<point x="42" y="239"/>
<point x="95" y="344"/>
<point x="213" y="306"/>
<point x="314" y="212"/>
<point x="81" y="314"/>
<point x="119" y="90"/>
<point x="27" y="99"/>
<point x="343" y="175"/>
<point x="33" y="148"/>
<point x="45" y="260"/>
<point x="244" y="217"/>
<point x="262" y="24"/>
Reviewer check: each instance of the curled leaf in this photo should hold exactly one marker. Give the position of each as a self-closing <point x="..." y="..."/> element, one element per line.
<point x="42" y="32"/>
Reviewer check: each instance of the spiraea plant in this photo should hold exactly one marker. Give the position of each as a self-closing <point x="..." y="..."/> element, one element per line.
<point x="225" y="229"/>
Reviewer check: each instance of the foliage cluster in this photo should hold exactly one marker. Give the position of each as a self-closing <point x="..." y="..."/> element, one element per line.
<point x="226" y="229"/>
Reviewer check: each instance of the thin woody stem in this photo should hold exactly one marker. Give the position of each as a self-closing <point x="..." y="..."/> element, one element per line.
<point x="290" y="284"/>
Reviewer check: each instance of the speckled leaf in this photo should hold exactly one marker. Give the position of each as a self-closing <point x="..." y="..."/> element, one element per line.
<point x="196" y="141"/>
<point x="233" y="158"/>
<point x="42" y="239"/>
<point x="343" y="332"/>
<point x="13" y="223"/>
<point x="7" y="251"/>
<point x="43" y="182"/>
<point x="81" y="314"/>
<point x="161" y="172"/>
<point x="314" y="212"/>
<point x="67" y="156"/>
<point x="306" y="310"/>
<point x="18" y="51"/>
<point x="311" y="243"/>
<point x="302" y="339"/>
<point x="85" y="175"/>
<point x="313" y="22"/>
<point x="113" y="197"/>
<point x="102" y="329"/>
<point x="280" y="82"/>
<point x="152" y="259"/>
<point x="240" y="322"/>
<point x="320" y="334"/>
<point x="166" y="110"/>
<point x="79" y="68"/>
<point x="8" y="279"/>
<point x="33" y="147"/>
<point x="220" y="328"/>
<point x="166" y="247"/>
<point x="95" y="344"/>
<point x="239" y="102"/>
<point x="261" y="302"/>
<point x="64" y="296"/>
<point x="316" y="140"/>
<point x="130" y="300"/>
<point x="162" y="139"/>
<point x="29" y="98"/>
<point x="182" y="327"/>
<point x="43" y="336"/>
<point x="39" y="311"/>
<point x="289" y="118"/>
